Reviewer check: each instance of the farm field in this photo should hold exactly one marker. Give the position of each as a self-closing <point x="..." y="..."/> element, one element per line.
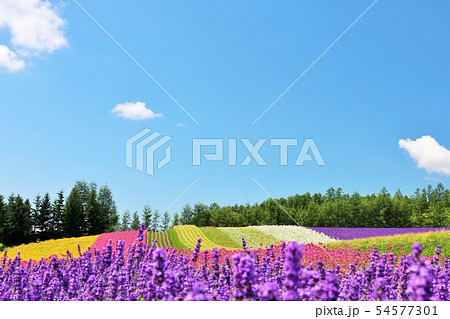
<point x="185" y="238"/>
<point x="129" y="237"/>
<point x="189" y="235"/>
<point x="254" y="238"/>
<point x="331" y="261"/>
<point x="295" y="233"/>
<point x="355" y="233"/>
<point x="176" y="276"/>
<point x="401" y="243"/>
<point x="162" y="237"/>
<point x="219" y="237"/>
<point x="58" y="247"/>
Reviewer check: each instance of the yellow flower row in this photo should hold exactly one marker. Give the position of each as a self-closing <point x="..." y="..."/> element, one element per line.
<point x="58" y="247"/>
<point x="189" y="234"/>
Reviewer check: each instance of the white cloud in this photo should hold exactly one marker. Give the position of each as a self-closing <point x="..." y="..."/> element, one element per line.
<point x="182" y="125"/>
<point x="35" y="27"/>
<point x="135" y="111"/>
<point x="9" y="60"/>
<point x="428" y="154"/>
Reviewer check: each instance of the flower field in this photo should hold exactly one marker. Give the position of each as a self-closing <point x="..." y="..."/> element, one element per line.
<point x="253" y="237"/>
<point x="355" y="233"/>
<point x="162" y="237"/>
<point x="279" y="272"/>
<point x="189" y="234"/>
<point x="185" y="238"/>
<point x="57" y="247"/>
<point x="220" y="237"/>
<point x="295" y="233"/>
<point x="128" y="238"/>
<point x="400" y="244"/>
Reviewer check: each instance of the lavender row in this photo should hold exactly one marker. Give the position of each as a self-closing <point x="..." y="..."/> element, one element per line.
<point x="355" y="233"/>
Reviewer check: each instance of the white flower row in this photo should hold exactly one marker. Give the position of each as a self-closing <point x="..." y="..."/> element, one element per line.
<point x="295" y="233"/>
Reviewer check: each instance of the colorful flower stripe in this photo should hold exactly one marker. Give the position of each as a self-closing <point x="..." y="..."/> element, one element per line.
<point x="295" y="233"/>
<point x="400" y="244"/>
<point x="253" y="237"/>
<point x="354" y="233"/>
<point x="129" y="237"/>
<point x="189" y="234"/>
<point x="162" y="237"/>
<point x="219" y="237"/>
<point x="58" y="247"/>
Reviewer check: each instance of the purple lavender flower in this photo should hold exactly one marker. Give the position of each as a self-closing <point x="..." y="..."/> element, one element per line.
<point x="268" y="292"/>
<point x="243" y="277"/>
<point x="292" y="270"/>
<point x="196" y="252"/>
<point x="438" y="250"/>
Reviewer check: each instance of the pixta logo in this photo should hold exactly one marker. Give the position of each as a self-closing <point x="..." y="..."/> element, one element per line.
<point x="142" y="147"/>
<point x="308" y="148"/>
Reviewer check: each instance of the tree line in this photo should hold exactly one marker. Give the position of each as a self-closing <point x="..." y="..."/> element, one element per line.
<point x="88" y="210"/>
<point x="427" y="207"/>
<point x="153" y="221"/>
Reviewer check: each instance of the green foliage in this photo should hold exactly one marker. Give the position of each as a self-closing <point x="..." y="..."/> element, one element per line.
<point x="429" y="241"/>
<point x="254" y="238"/>
<point x="85" y="212"/>
<point x="3" y="219"/>
<point x="58" y="213"/>
<point x="95" y="220"/>
<point x="108" y="210"/>
<point x="155" y="224"/>
<point x="165" y="222"/>
<point x="219" y="237"/>
<point x="426" y="208"/>
<point x="176" y="220"/>
<point x="73" y="218"/>
<point x="16" y="224"/>
<point x="175" y="241"/>
<point x="125" y="223"/>
<point x="44" y="218"/>
<point x="147" y="216"/>
<point x="187" y="215"/>
<point x="135" y="222"/>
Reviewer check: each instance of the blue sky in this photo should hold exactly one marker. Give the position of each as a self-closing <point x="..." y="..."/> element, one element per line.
<point x="385" y="80"/>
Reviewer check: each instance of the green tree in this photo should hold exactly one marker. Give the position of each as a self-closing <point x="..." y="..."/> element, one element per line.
<point x="108" y="209"/>
<point x="165" y="223"/>
<point x="187" y="215"/>
<point x="147" y="216"/>
<point x="58" y="214"/>
<point x="3" y="220"/>
<point x="44" y="218"/>
<point x="34" y="216"/>
<point x="73" y="219"/>
<point x="201" y="215"/>
<point x="155" y="221"/>
<point x="84" y="190"/>
<point x="176" y="220"/>
<point x="19" y="220"/>
<point x="95" y="220"/>
<point x="125" y="223"/>
<point x="135" y="222"/>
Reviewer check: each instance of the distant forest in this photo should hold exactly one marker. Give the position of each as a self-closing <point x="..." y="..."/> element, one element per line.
<point x="427" y="207"/>
<point x="90" y="210"/>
